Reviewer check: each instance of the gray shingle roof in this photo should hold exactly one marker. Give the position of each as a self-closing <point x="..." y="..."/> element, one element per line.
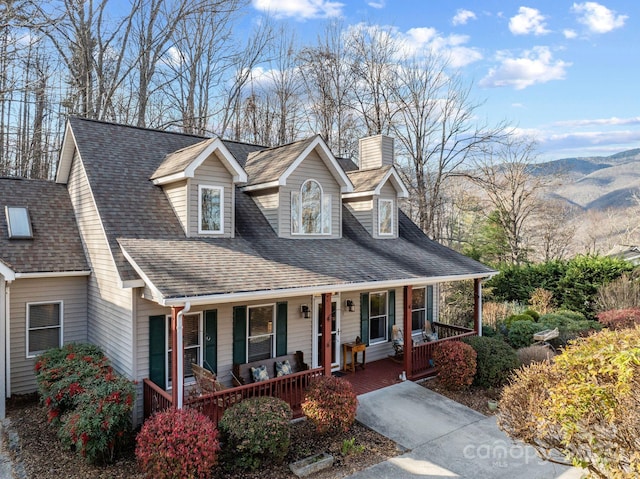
<point x="367" y="180"/>
<point x="137" y="216"/>
<point x="56" y="245"/>
<point x="269" y="164"/>
<point x="178" y="161"/>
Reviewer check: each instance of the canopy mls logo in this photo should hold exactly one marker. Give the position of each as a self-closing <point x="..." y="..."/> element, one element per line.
<point x="502" y="454"/>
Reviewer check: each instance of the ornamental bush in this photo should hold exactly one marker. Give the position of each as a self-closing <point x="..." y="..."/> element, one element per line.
<point x="620" y="318"/>
<point x="517" y="317"/>
<point x="331" y="404"/>
<point x="521" y="333"/>
<point x="535" y="353"/>
<point x="570" y="324"/>
<point x="534" y="314"/>
<point x="495" y="361"/>
<point x="86" y="400"/>
<point x="255" y="431"/>
<point x="456" y="363"/>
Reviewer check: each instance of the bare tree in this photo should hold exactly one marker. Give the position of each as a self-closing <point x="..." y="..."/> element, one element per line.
<point x="552" y="230"/>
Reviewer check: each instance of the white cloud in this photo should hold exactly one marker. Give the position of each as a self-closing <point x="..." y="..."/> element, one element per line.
<point x="378" y="4"/>
<point x="598" y="18"/>
<point x="527" y="21"/>
<point x="462" y="16"/>
<point x="424" y="40"/>
<point x="613" y="121"/>
<point x="299" y="9"/>
<point x="569" y="34"/>
<point x="533" y="66"/>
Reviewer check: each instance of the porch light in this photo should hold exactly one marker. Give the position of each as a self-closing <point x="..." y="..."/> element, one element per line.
<point x="305" y="311"/>
<point x="349" y="305"/>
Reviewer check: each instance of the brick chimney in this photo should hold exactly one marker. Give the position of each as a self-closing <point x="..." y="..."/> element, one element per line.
<point x="375" y="151"/>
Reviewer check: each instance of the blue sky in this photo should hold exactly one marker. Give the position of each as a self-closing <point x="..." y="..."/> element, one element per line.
<point x="566" y="73"/>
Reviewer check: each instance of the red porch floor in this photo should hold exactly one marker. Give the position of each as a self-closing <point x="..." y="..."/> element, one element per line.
<point x="376" y="375"/>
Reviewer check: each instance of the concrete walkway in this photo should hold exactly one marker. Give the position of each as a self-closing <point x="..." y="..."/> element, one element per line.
<point x="446" y="439"/>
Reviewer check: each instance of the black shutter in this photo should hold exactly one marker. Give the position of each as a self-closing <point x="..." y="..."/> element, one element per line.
<point x="430" y="303"/>
<point x="281" y="329"/>
<point x="239" y="334"/>
<point x="364" y="318"/>
<point x="392" y="312"/>
<point x="157" y="350"/>
<point x="211" y="340"/>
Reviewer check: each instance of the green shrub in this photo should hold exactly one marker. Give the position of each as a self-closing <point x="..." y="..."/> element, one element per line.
<point x="495" y="361"/>
<point x="488" y="331"/>
<point x="620" y="318"/>
<point x="87" y="401"/>
<point x="570" y="325"/>
<point x="521" y="333"/>
<point x="517" y="317"/>
<point x="255" y="431"/>
<point x="330" y="403"/>
<point x="456" y="363"/>
<point x="534" y="314"/>
<point x="177" y="444"/>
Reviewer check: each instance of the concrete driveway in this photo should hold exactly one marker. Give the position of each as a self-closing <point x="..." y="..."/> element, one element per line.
<point x="446" y="439"/>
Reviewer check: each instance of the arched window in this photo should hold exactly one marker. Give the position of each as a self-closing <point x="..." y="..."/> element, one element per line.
<point x="310" y="210"/>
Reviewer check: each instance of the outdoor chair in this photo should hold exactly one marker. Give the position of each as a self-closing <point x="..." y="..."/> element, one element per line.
<point x="206" y="380"/>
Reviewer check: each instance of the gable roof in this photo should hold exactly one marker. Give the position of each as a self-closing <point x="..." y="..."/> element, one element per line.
<point x="55" y="246"/>
<point x="371" y="181"/>
<point x="184" y="162"/>
<point x="271" y="167"/>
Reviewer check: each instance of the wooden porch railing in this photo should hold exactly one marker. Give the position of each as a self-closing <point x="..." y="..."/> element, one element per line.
<point x="422" y="354"/>
<point x="289" y="388"/>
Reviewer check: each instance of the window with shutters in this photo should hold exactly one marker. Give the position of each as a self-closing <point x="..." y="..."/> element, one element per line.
<point x="192" y="335"/>
<point x="378" y="317"/>
<point x="260" y="332"/>
<point x="44" y="327"/>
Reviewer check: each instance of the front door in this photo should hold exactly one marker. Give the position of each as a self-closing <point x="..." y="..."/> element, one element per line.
<point x="318" y="332"/>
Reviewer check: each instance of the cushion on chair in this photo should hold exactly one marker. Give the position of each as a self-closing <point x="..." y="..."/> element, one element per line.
<point x="260" y="373"/>
<point x="283" y="368"/>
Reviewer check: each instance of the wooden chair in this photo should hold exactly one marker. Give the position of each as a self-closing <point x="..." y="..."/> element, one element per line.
<point x="206" y="380"/>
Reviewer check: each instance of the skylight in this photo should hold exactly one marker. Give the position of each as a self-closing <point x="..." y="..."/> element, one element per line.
<point x="18" y="222"/>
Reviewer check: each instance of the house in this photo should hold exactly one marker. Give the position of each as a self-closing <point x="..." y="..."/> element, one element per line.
<point x="251" y="252"/>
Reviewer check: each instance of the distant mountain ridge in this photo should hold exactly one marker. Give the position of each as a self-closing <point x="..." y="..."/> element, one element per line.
<point x="595" y="183"/>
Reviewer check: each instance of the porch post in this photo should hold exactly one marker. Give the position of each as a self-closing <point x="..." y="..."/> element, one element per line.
<point x="408" y="342"/>
<point x="477" y="306"/>
<point x="326" y="333"/>
<point x="174" y="356"/>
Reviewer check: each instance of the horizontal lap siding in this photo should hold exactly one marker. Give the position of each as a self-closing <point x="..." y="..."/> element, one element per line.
<point x="311" y="168"/>
<point x="362" y="210"/>
<point x="72" y="291"/>
<point x="211" y="173"/>
<point x="109" y="306"/>
<point x="177" y="195"/>
<point x="268" y="202"/>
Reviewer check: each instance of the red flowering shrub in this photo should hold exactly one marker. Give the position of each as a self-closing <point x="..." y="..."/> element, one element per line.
<point x="256" y="430"/>
<point x="456" y="363"/>
<point x="177" y="444"/>
<point x="620" y="318"/>
<point x="331" y="404"/>
<point x="89" y="403"/>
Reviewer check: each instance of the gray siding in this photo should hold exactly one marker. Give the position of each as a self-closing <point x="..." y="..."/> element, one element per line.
<point x="177" y="195"/>
<point x="314" y="168"/>
<point x="362" y="209"/>
<point x="375" y="151"/>
<point x="110" y="322"/>
<point x="72" y="291"/>
<point x="268" y="202"/>
<point x="211" y="173"/>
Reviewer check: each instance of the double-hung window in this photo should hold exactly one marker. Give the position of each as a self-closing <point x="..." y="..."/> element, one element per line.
<point x="44" y="327"/>
<point x="385" y="217"/>
<point x="421" y="307"/>
<point x="378" y="317"/>
<point x="260" y="337"/>
<point x="210" y="209"/>
<point x="310" y="210"/>
<point x="192" y="343"/>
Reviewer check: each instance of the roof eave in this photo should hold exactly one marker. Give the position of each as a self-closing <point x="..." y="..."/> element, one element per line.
<point x="66" y="155"/>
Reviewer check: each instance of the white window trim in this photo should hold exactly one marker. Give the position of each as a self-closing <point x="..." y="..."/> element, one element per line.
<point x="423" y="308"/>
<point x="60" y="326"/>
<point x="392" y="232"/>
<point x="167" y="347"/>
<point x="323" y="211"/>
<point x="221" y="190"/>
<point x="272" y="334"/>
<point x="386" y="315"/>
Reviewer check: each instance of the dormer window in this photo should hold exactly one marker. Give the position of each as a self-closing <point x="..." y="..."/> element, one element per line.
<point x="310" y="210"/>
<point x="385" y="217"/>
<point x="210" y="216"/>
<point x="18" y="222"/>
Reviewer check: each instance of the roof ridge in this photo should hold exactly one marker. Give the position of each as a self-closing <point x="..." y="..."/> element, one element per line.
<point x="135" y="127"/>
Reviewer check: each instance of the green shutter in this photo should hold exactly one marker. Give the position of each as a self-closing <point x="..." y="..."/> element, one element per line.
<point x="391" y="307"/>
<point x="239" y="334"/>
<point x="281" y="329"/>
<point x="364" y="318"/>
<point x="211" y="340"/>
<point x="429" y="303"/>
<point x="157" y="350"/>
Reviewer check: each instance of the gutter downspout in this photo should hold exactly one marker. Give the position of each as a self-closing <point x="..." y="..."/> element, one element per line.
<point x="3" y="347"/>
<point x="179" y="383"/>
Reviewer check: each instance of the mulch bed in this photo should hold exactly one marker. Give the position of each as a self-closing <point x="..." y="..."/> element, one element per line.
<point x="43" y="457"/>
<point x="475" y="398"/>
